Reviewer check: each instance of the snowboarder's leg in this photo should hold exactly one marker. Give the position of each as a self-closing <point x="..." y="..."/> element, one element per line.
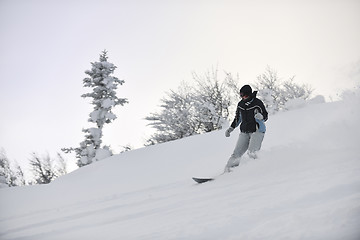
<point x="240" y="148"/>
<point x="256" y="139"/>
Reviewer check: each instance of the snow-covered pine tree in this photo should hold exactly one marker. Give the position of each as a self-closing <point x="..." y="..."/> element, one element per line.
<point x="104" y="98"/>
<point x="4" y="170"/>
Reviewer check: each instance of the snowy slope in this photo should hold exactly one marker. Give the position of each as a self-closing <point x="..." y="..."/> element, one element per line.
<point x="305" y="185"/>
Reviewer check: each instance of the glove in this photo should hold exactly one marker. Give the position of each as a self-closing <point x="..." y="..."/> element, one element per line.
<point x="227" y="132"/>
<point x="259" y="116"/>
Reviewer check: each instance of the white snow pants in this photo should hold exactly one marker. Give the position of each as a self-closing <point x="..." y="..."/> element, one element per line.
<point x="246" y="141"/>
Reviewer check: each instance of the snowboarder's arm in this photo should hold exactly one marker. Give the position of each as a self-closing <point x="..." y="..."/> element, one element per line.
<point x="237" y="120"/>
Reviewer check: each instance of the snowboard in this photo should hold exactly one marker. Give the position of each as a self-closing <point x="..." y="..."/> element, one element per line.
<point x="202" y="180"/>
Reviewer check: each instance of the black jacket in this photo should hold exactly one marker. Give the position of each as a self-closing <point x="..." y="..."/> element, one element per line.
<point x="245" y="112"/>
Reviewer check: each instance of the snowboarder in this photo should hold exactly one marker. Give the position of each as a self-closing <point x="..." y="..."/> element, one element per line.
<point x="250" y="115"/>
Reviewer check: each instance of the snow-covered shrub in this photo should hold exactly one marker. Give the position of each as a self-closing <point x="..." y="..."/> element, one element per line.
<point x="191" y="109"/>
<point x="276" y="93"/>
<point x="11" y="175"/>
<point x="317" y="99"/>
<point x="206" y="106"/>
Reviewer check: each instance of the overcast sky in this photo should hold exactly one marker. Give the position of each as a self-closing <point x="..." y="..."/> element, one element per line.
<point x="47" y="45"/>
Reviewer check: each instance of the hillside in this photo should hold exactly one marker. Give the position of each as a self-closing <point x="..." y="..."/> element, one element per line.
<point x="305" y="185"/>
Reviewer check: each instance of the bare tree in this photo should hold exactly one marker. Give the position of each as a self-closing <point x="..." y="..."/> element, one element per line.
<point x="42" y="169"/>
<point x="46" y="169"/>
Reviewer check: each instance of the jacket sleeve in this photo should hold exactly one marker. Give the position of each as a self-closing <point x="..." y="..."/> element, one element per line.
<point x="263" y="110"/>
<point x="237" y="120"/>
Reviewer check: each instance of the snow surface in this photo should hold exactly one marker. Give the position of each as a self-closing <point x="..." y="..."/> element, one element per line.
<point x="305" y="185"/>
